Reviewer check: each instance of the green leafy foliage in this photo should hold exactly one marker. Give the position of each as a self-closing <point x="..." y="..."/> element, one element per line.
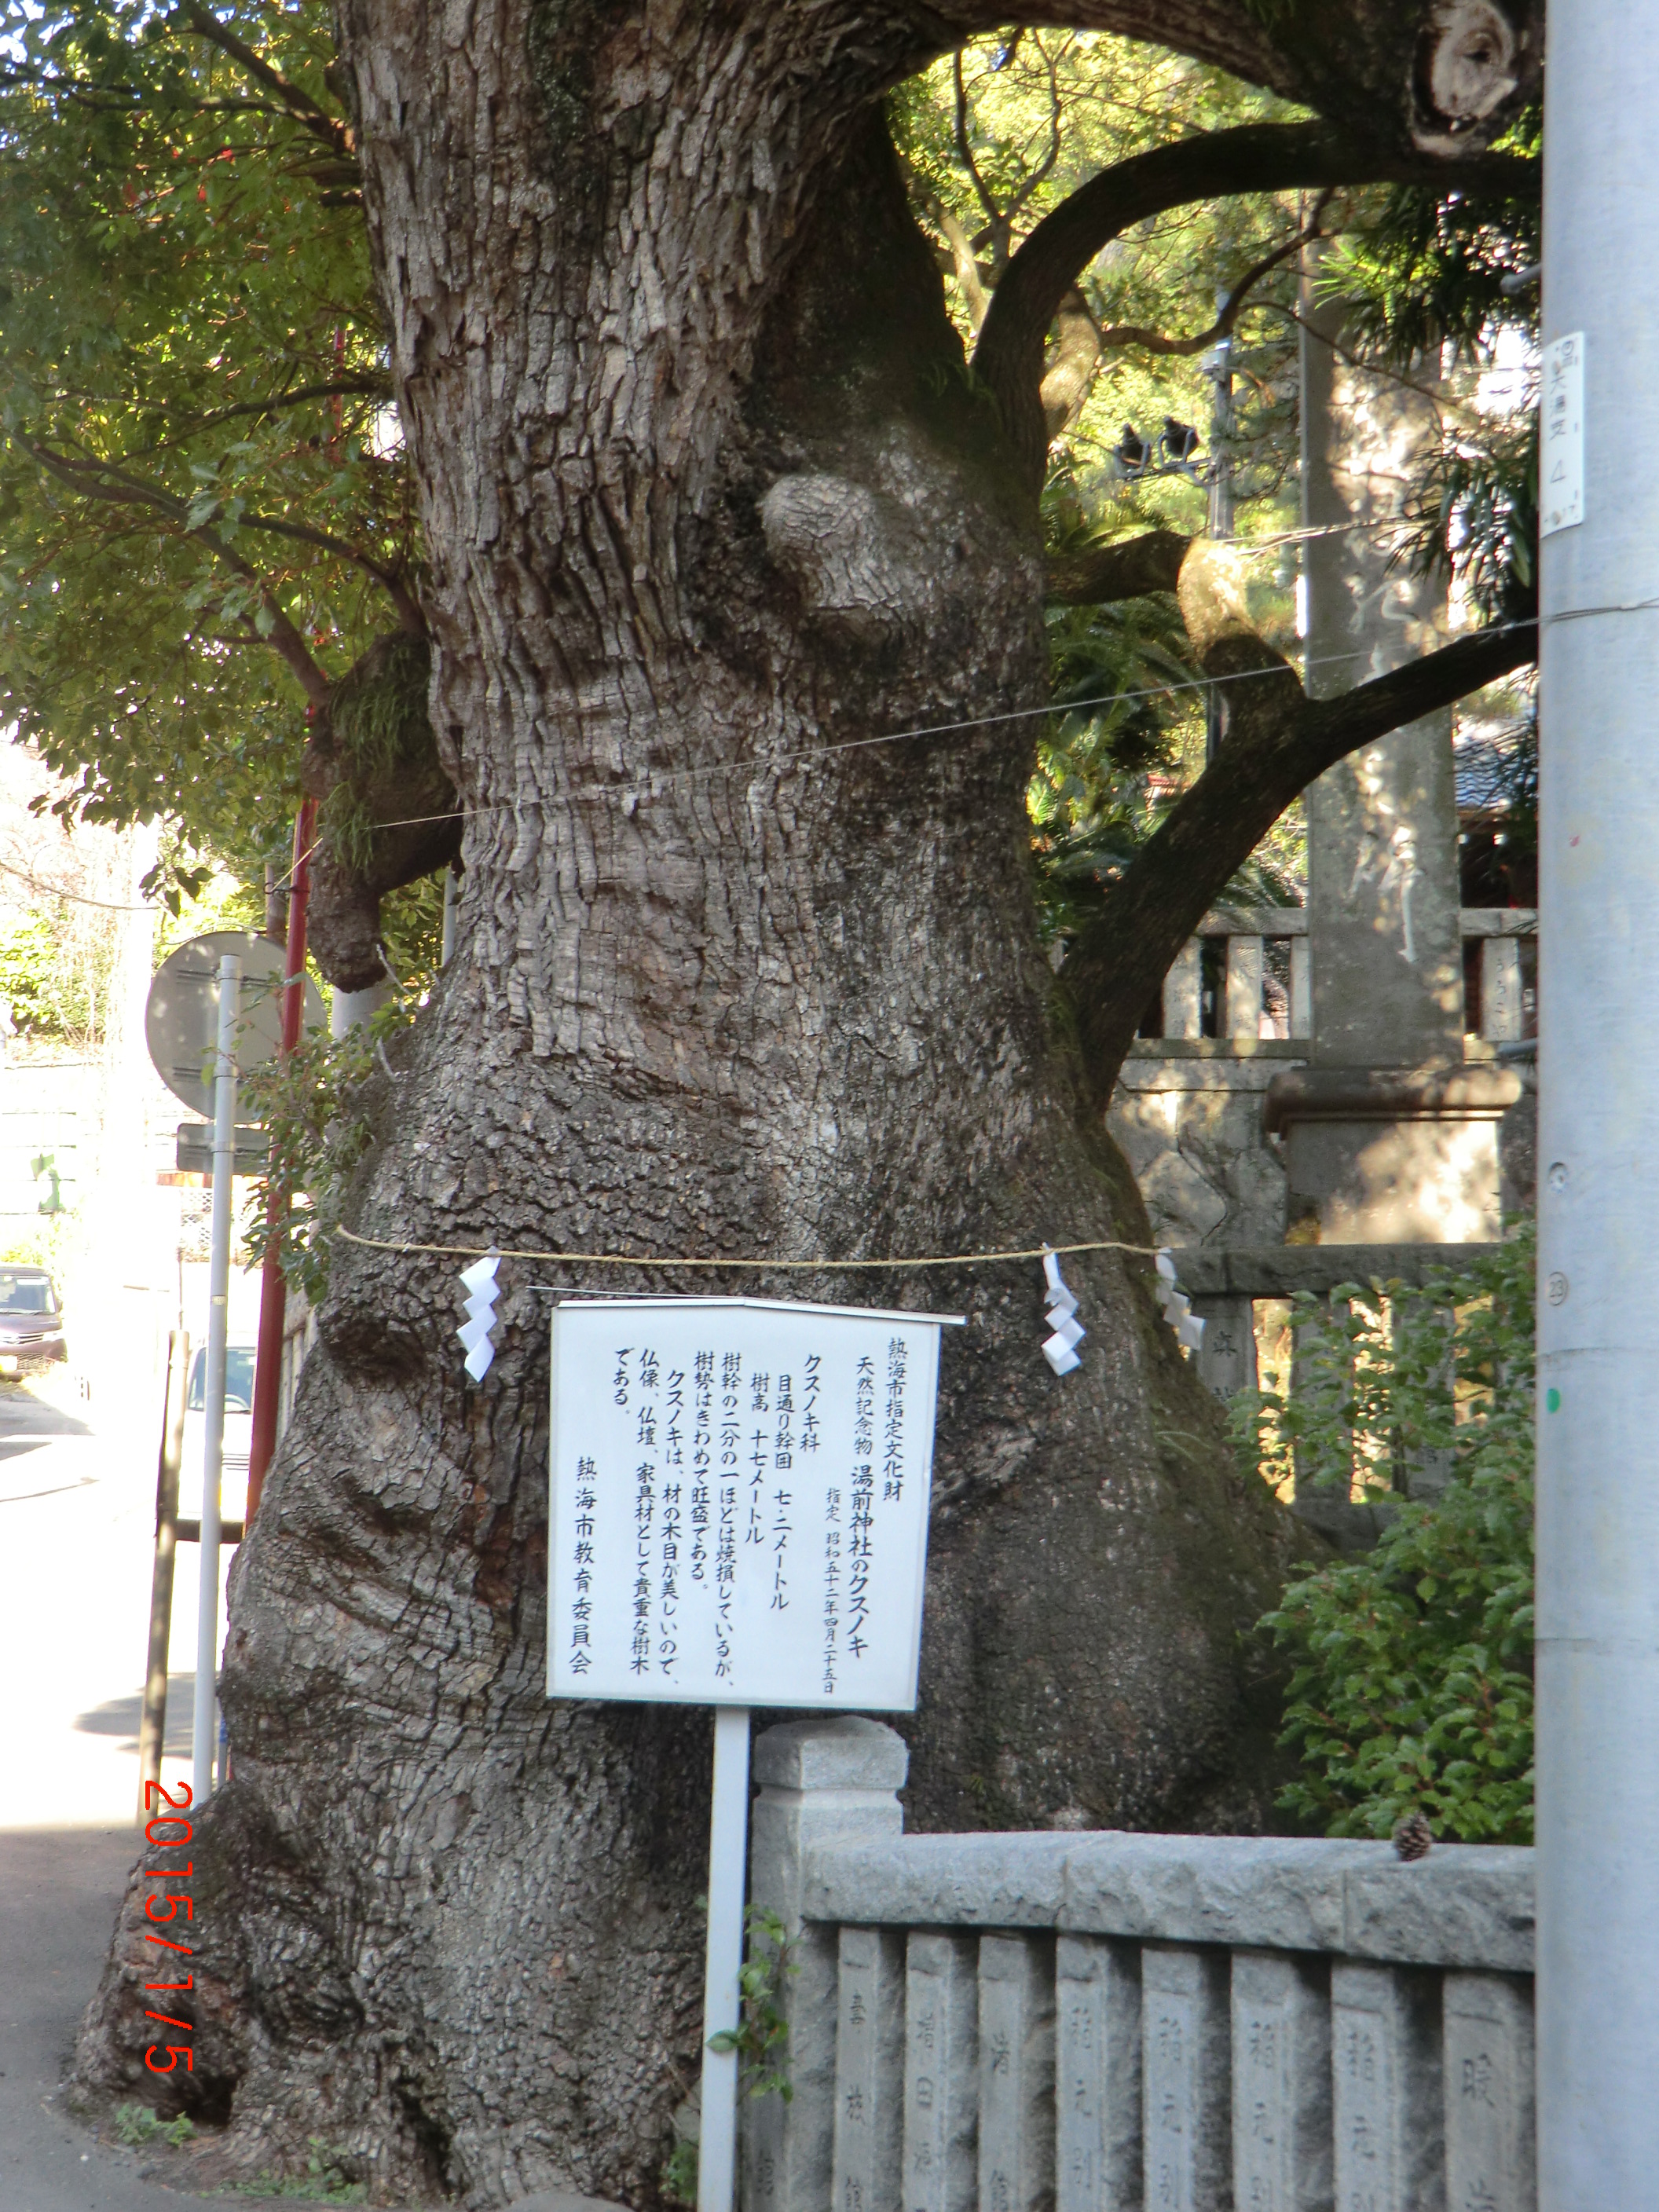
<point x="761" y="2035"/>
<point x="679" y="2173"/>
<point x="1475" y="511"/>
<point x="1110" y="760"/>
<point x="1412" y="1665"/>
<point x="138" y="2126"/>
<point x="54" y="976"/>
<point x="1420" y="272"/>
<point x="201" y="489"/>
<point x="327" y="2179"/>
<point x="311" y="1105"/>
<point x="992" y="142"/>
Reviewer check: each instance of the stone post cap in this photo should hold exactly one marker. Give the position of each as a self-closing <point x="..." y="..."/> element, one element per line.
<point x="845" y="1751"/>
<point x="1470" y="1091"/>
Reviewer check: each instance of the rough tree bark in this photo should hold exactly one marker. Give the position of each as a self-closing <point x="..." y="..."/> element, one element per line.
<point x="386" y="811"/>
<point x="704" y="510"/>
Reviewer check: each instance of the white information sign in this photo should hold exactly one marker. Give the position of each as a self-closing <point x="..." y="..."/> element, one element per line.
<point x="739" y="1502"/>
<point x="1561" y="446"/>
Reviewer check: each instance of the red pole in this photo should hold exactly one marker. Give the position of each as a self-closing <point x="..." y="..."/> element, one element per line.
<point x="273" y="1290"/>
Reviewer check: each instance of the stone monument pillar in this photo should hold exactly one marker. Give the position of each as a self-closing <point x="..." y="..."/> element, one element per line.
<point x="1388" y="1137"/>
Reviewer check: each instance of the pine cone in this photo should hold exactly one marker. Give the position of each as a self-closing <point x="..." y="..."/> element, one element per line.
<point x="1413" y="1839"/>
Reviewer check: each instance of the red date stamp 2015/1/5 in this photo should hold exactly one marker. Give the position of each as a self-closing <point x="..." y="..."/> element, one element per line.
<point x="172" y="1818"/>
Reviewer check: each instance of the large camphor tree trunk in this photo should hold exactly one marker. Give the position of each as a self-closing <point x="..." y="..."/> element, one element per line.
<point x="710" y="500"/>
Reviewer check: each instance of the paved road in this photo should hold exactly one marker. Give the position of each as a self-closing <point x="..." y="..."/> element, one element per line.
<point x="78" y="1513"/>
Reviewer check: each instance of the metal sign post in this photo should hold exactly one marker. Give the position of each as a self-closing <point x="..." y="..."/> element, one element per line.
<point x="199" y="1008"/>
<point x="739" y="1519"/>
<point x="273" y="1286"/>
<point x="204" y="1721"/>
<point x="153" y="1719"/>
<point x="728" y="1852"/>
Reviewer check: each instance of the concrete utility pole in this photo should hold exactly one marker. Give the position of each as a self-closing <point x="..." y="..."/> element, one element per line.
<point x="1598" y="1309"/>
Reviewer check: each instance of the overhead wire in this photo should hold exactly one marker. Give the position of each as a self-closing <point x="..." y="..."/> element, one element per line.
<point x="75" y="898"/>
<point x="652" y="782"/>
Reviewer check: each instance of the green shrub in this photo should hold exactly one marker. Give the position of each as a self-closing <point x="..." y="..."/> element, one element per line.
<point x="55" y="974"/>
<point x="327" y="2179"/>
<point x="1410" y="1687"/>
<point x="311" y="1106"/>
<point x="678" y="2178"/>
<point x="138" y="2125"/>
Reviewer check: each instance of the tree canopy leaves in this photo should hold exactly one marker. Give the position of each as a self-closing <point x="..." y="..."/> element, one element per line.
<point x="205" y="510"/>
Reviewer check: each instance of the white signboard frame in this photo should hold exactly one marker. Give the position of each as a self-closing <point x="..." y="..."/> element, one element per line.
<point x="809" y="1538"/>
<point x="740" y="1496"/>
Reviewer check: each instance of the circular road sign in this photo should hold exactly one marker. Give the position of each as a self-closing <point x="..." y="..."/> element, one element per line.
<point x="181" y="1016"/>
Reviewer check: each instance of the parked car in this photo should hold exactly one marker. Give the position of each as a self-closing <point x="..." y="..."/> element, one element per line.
<point x="31" y="1321"/>
<point x="239" y="1434"/>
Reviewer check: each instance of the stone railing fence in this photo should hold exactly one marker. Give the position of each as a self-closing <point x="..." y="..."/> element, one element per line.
<point x="1074" y="2022"/>
<point x="1225" y="1286"/>
<point x="1247" y="1006"/>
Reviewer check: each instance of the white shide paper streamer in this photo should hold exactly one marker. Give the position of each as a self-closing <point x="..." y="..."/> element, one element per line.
<point x="482" y="1292"/>
<point x="1059" y="1350"/>
<point x="1177" y="1306"/>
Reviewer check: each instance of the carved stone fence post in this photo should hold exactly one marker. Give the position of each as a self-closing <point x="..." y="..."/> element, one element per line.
<point x="833" y="1781"/>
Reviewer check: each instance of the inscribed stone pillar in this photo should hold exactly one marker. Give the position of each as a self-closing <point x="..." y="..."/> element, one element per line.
<point x="941" y="2072"/>
<point x="1097" y="2126"/>
<point x="1383" y="919"/>
<point x="869" y="2066"/>
<point x="1281" y="2051"/>
<point x="1382" y="895"/>
<point x="1016" y="2076"/>
<point x="1185" y="2071"/>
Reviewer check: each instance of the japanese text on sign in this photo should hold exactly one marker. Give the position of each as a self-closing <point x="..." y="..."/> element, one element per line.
<point x="739" y="1502"/>
<point x="1561" y="435"/>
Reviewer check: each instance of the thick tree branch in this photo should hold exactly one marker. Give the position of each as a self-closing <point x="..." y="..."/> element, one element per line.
<point x="350" y="388"/>
<point x="298" y="102"/>
<point x="1070" y="375"/>
<point x="106" y="481"/>
<point x="1278" y="743"/>
<point x="1373" y="67"/>
<point x="1264" y="157"/>
<point x="965" y="266"/>
<point x="284" y="639"/>
<point x="1152" y="341"/>
<point x="1127" y="569"/>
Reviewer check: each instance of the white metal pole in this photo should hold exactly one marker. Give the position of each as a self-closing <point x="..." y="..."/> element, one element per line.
<point x="355" y="1009"/>
<point x="728" y="1854"/>
<point x="1598" y="1414"/>
<point x="202" y="1729"/>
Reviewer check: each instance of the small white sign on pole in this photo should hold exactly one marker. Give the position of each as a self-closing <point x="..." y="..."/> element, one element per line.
<point x="1561" y="435"/>
<point x="738" y="1518"/>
